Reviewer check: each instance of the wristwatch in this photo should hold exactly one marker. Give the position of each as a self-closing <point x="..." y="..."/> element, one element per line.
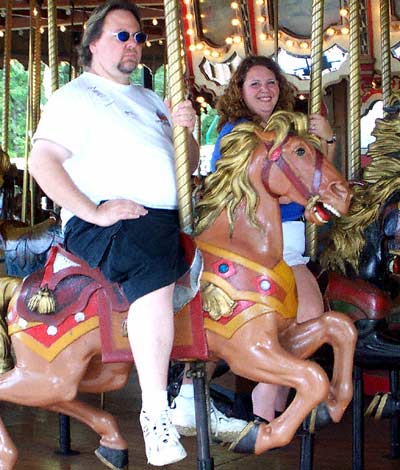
<point x="332" y="140"/>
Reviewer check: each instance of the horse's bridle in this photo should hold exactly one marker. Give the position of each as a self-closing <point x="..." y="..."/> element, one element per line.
<point x="277" y="157"/>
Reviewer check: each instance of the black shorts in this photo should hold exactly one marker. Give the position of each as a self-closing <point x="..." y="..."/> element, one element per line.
<point x="141" y="254"/>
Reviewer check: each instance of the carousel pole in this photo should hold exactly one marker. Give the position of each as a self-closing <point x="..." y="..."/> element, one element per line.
<point x="354" y="159"/>
<point x="53" y="43"/>
<point x="177" y="91"/>
<point x="183" y="178"/>
<point x="29" y="117"/>
<point x="276" y="29"/>
<point x="385" y="51"/>
<point x="6" y="72"/>
<point x="317" y="31"/>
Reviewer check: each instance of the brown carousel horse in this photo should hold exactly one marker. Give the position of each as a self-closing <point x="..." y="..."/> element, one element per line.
<point x="249" y="300"/>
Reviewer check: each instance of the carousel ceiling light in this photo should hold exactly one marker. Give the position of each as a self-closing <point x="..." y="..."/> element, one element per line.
<point x="199" y="46"/>
<point x="68" y="11"/>
<point x="3" y="13"/>
<point x="330" y="32"/>
<point x="1" y="33"/>
<point x="289" y="42"/>
<point x="263" y="37"/>
<point x="161" y="42"/>
<point x="148" y="43"/>
<point x="261" y="19"/>
<point x="192" y="48"/>
<point x="207" y="52"/>
<point x="234" y="5"/>
<point x="304" y="45"/>
<point x="345" y="31"/>
<point x="229" y="40"/>
<point x="260" y="2"/>
<point x="237" y="39"/>
<point x="235" y="22"/>
<point x="35" y="12"/>
<point x="302" y="97"/>
<point x="154" y="21"/>
<point x="63" y="28"/>
<point x="200" y="99"/>
<point x="41" y="29"/>
<point x="215" y="54"/>
<point x="189" y="16"/>
<point x="190" y="32"/>
<point x="344" y="12"/>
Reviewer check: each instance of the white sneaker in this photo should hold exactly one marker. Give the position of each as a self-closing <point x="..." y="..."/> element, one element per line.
<point x="161" y="440"/>
<point x="223" y="429"/>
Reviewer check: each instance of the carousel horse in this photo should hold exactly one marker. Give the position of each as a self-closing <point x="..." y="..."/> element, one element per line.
<point x="364" y="246"/>
<point x="248" y="293"/>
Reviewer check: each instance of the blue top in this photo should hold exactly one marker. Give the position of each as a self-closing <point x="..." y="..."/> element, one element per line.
<point x="289" y="212"/>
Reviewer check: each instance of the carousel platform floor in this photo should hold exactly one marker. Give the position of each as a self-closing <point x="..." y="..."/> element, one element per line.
<point x="36" y="434"/>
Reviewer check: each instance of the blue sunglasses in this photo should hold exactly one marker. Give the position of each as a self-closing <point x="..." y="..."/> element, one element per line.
<point x="139" y="37"/>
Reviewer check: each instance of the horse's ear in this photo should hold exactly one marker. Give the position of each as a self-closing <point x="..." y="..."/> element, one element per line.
<point x="268" y="138"/>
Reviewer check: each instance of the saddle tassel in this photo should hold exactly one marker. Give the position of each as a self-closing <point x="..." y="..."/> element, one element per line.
<point x="43" y="302"/>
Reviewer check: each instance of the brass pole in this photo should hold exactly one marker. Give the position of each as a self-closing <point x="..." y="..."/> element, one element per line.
<point x="177" y="91"/>
<point x="385" y="51"/>
<point x="6" y="72"/>
<point x="354" y="160"/>
<point x="317" y="31"/>
<point x="29" y="117"/>
<point x="276" y="29"/>
<point x="53" y="43"/>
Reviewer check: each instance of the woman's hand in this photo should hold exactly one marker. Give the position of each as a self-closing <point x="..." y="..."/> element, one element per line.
<point x="320" y="127"/>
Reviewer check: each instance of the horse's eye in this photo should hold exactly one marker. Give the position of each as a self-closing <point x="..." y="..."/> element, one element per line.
<point x="300" y="152"/>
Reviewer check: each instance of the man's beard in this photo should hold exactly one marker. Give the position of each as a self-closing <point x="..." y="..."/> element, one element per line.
<point x="127" y="66"/>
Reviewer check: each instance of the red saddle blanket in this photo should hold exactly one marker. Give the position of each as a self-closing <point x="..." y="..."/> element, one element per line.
<point x="83" y="300"/>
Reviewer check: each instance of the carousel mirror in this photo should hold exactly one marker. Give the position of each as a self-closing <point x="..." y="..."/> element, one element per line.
<point x="214" y="21"/>
<point x="300" y="65"/>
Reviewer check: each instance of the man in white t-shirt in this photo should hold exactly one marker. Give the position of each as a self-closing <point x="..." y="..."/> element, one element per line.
<point x="103" y="151"/>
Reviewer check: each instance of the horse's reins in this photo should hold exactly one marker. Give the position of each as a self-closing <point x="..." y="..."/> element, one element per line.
<point x="277" y="157"/>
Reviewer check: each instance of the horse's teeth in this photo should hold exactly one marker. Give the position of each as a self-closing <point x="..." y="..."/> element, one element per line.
<point x="331" y="209"/>
<point x="320" y="219"/>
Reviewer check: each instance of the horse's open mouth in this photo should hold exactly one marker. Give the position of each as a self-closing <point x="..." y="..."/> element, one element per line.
<point x="323" y="212"/>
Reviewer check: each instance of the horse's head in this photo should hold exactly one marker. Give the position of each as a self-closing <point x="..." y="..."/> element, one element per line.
<point x="293" y="166"/>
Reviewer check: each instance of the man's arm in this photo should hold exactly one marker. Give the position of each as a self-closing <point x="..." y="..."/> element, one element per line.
<point x="46" y="167"/>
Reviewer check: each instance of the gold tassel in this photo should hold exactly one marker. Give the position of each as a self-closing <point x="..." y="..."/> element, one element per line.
<point x="42" y="302"/>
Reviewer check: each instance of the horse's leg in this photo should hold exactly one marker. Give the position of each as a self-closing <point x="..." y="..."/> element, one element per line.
<point x="254" y="352"/>
<point x="8" y="451"/>
<point x="338" y="330"/>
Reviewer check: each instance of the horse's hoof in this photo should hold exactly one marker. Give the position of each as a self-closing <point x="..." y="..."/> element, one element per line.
<point x="246" y="442"/>
<point x="383" y="405"/>
<point x="117" y="459"/>
<point x="319" y="418"/>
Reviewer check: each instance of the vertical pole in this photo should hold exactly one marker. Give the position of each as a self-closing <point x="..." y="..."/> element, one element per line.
<point x="354" y="161"/>
<point x="385" y="51"/>
<point x="317" y="31"/>
<point x="175" y="79"/>
<point x="6" y="71"/>
<point x="53" y="43"/>
<point x="276" y="29"/>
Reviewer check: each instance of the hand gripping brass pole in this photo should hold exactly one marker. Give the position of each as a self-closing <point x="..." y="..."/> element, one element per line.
<point x="6" y="72"/>
<point x="317" y="31"/>
<point x="354" y="158"/>
<point x="385" y="51"/>
<point x="177" y="94"/>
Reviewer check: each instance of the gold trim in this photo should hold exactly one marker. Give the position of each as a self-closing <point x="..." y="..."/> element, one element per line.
<point x="50" y="353"/>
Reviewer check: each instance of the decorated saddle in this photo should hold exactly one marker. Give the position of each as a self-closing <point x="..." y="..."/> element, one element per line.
<point x="67" y="298"/>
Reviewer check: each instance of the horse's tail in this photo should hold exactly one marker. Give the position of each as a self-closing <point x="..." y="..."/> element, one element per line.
<point x="8" y="287"/>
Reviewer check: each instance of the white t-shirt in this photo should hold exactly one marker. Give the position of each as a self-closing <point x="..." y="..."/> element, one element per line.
<point x="120" y="139"/>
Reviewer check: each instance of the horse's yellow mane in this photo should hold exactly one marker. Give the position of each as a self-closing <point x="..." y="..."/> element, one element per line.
<point x="382" y="179"/>
<point x="230" y="184"/>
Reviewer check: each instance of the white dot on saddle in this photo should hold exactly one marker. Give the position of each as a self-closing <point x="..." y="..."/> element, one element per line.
<point x="22" y="323"/>
<point x="265" y="285"/>
<point x="61" y="262"/>
<point x="79" y="317"/>
<point x="52" y="330"/>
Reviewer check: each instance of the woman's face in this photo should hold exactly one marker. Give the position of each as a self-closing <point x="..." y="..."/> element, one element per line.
<point x="260" y="91"/>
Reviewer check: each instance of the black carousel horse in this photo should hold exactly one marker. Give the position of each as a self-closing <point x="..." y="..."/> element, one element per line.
<point x="363" y="257"/>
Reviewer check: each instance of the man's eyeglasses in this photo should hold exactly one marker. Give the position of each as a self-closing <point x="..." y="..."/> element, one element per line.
<point x="139" y="37"/>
